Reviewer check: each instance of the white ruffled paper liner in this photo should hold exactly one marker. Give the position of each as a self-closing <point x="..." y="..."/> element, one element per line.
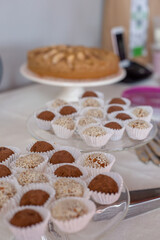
<point x="99" y="94"/>
<point x="93" y="141"/>
<point x="94" y="171"/>
<point x="73" y="151"/>
<point x="51" y="169"/>
<point x="113" y="115"/>
<point x="35" y="186"/>
<point x="62" y="131"/>
<point x="116" y="105"/>
<point x="98" y="100"/>
<point x="86" y="193"/>
<point x="136" y="133"/>
<point x="50" y="106"/>
<point x="117" y="133"/>
<point x="126" y="100"/>
<point x="40" y="167"/>
<point x="79" y="127"/>
<point x="76" y="224"/>
<point x="70" y="105"/>
<point x="33" y="232"/>
<point x="107" y="199"/>
<point x="48" y="153"/>
<point x="14" y="156"/>
<point x="44" y="124"/>
<point x="148" y="109"/>
<point x="10" y="204"/>
<point x="84" y="111"/>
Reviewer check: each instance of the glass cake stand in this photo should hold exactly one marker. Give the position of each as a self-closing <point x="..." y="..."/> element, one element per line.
<point x="72" y="89"/>
<point x="75" y="141"/>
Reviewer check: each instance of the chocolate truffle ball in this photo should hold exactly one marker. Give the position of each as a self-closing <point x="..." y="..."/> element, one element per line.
<point x="4" y="171"/>
<point x="117" y="101"/>
<point x="34" y="197"/>
<point x="62" y="156"/>
<point x="123" y="116"/>
<point x="114" y="109"/>
<point x="5" y="153"/>
<point x="67" y="110"/>
<point x="25" y="218"/>
<point x="68" y="171"/>
<point x="113" y="125"/>
<point x="41" y="146"/>
<point x="89" y="94"/>
<point x="46" y="115"/>
<point x="104" y="184"/>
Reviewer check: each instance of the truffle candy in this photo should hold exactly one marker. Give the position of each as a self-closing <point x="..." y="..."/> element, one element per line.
<point x="123" y="116"/>
<point x="114" y="109"/>
<point x="67" y="110"/>
<point x="25" y="218"/>
<point x="94" y="131"/>
<point x="31" y="176"/>
<point x="29" y="161"/>
<point x="117" y="101"/>
<point x="4" y="171"/>
<point x="96" y="160"/>
<point x="66" y="122"/>
<point x="46" y="115"/>
<point x="140" y="124"/>
<point x="140" y="112"/>
<point x="62" y="156"/>
<point x="86" y="121"/>
<point x="113" y="125"/>
<point x="95" y="112"/>
<point x="58" y="102"/>
<point x="5" y="153"/>
<point x="104" y="184"/>
<point x="91" y="102"/>
<point x="68" y="171"/>
<point x="34" y="197"/>
<point x="7" y="191"/>
<point x="89" y="94"/>
<point x="41" y="146"/>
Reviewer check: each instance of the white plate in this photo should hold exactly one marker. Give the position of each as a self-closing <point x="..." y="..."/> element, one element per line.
<point x="70" y="83"/>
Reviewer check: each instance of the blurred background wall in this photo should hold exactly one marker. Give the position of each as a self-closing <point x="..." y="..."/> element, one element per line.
<point x="28" y="24"/>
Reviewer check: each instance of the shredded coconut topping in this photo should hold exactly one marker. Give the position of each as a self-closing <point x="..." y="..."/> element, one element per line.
<point x="31" y="176"/>
<point x="66" y="122"/>
<point x="7" y="191"/>
<point x="91" y="102"/>
<point x="140" y="124"/>
<point x="86" y="120"/>
<point x="94" y="131"/>
<point x="29" y="161"/>
<point x="58" y="102"/>
<point x="97" y="113"/>
<point x="140" y="112"/>
<point x="68" y="209"/>
<point x="68" y="188"/>
<point x="96" y="160"/>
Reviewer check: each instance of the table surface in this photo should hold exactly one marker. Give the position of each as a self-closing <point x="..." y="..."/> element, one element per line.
<point x="15" y="108"/>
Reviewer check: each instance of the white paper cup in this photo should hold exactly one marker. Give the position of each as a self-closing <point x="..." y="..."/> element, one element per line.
<point x="33" y="232"/>
<point x="62" y="131"/>
<point x="53" y="168"/>
<point x="14" y="156"/>
<point x="117" y="133"/>
<point x="43" y="124"/>
<point x="40" y="167"/>
<point x="107" y="199"/>
<point x="76" y="224"/>
<point x="86" y="192"/>
<point x="94" y="171"/>
<point x="126" y="100"/>
<point x="48" y="153"/>
<point x="35" y="186"/>
<point x="99" y="95"/>
<point x="94" y="141"/>
<point x="84" y="112"/>
<point x="136" y="133"/>
<point x="146" y="108"/>
<point x="73" y="151"/>
<point x="88" y="102"/>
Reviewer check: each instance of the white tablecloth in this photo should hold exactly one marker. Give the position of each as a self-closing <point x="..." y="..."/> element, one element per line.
<point x="15" y="108"/>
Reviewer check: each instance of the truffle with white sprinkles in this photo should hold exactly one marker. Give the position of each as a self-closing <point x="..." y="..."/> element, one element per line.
<point x="140" y="112"/>
<point x="7" y="191"/>
<point x="140" y="124"/>
<point x="94" y="131"/>
<point x="31" y="176"/>
<point x="96" y="160"/>
<point x="29" y="161"/>
<point x="95" y="112"/>
<point x="66" y="122"/>
<point x="58" y="102"/>
<point x="86" y="121"/>
<point x="68" y="188"/>
<point x="90" y="102"/>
